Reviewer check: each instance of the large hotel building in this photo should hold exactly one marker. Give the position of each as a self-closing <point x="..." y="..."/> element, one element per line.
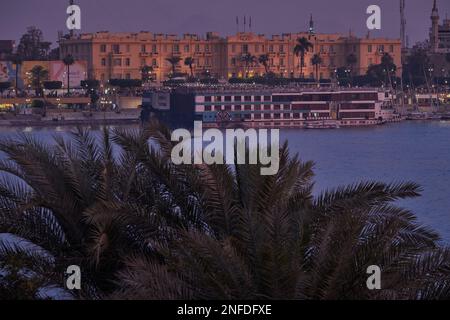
<point x="122" y="55"/>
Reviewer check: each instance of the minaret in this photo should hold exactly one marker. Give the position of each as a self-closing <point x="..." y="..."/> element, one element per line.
<point x="311" y="25"/>
<point x="434" y="34"/>
<point x="403" y="24"/>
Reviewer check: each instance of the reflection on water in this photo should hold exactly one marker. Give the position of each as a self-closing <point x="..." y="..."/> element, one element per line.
<point x="409" y="151"/>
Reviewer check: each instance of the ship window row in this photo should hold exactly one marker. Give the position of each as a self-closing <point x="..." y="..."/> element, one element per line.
<point x="350" y="106"/>
<point x="277" y="116"/>
<point x="237" y="98"/>
<point x="357" y="115"/>
<point x="274" y="107"/>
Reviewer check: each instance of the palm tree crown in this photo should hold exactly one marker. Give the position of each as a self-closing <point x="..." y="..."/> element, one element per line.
<point x="248" y="60"/>
<point x="264" y="60"/>
<point x="302" y="47"/>
<point x="174" y="61"/>
<point x="68" y="61"/>
<point x="189" y="61"/>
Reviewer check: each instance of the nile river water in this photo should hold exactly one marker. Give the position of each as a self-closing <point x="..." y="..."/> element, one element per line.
<point x="408" y="151"/>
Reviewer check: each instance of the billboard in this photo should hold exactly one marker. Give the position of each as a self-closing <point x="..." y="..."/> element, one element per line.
<point x="78" y="72"/>
<point x="7" y="73"/>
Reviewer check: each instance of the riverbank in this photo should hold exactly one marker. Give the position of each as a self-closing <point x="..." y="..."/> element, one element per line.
<point x="72" y="118"/>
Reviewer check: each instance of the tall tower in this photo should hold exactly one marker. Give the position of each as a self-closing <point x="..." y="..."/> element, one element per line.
<point x="403" y="24"/>
<point x="71" y="31"/>
<point x="311" y="25"/>
<point x="434" y="34"/>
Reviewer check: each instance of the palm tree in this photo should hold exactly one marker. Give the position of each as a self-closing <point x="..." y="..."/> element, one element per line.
<point x="83" y="206"/>
<point x="68" y="61"/>
<point x="302" y="47"/>
<point x="264" y="60"/>
<point x="351" y="61"/>
<point x="38" y="75"/>
<point x="146" y="72"/>
<point x="174" y="61"/>
<point x="141" y="227"/>
<point x="17" y="61"/>
<point x="189" y="61"/>
<point x="388" y="65"/>
<point x="316" y="61"/>
<point x="267" y="237"/>
<point x="248" y="60"/>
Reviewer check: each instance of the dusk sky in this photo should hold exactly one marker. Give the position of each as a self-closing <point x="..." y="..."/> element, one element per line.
<point x="199" y="16"/>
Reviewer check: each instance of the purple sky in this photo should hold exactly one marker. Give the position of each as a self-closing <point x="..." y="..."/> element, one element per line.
<point x="199" y="16"/>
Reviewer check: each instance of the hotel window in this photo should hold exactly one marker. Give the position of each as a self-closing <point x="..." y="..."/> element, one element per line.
<point x="176" y="48"/>
<point x="282" y="62"/>
<point x="154" y="62"/>
<point x="128" y="62"/>
<point x="228" y="108"/>
<point x="208" y="99"/>
<point x="103" y="62"/>
<point x="103" y="48"/>
<point x="207" y="108"/>
<point x="116" y="48"/>
<point x="256" y="48"/>
<point x="237" y="108"/>
<point x="186" y="48"/>
<point x="391" y="48"/>
<point x="257" y="98"/>
<point x="237" y="98"/>
<point x="245" y="48"/>
<point x="218" y="98"/>
<point x="143" y="49"/>
<point x="277" y="116"/>
<point x="266" y="98"/>
<point x="197" y="48"/>
<point x="271" y="48"/>
<point x="332" y="62"/>
<point x="248" y="107"/>
<point x="154" y="49"/>
<point x="267" y="107"/>
<point x="257" y="116"/>
<point x="369" y="48"/>
<point x="281" y="48"/>
<point x="227" y="98"/>
<point x="118" y="62"/>
<point x="258" y="107"/>
<point x="267" y="116"/>
<point x="277" y="107"/>
<point x="247" y="98"/>
<point x="381" y="48"/>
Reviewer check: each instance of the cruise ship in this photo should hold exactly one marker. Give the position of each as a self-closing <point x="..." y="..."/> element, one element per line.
<point x="273" y="107"/>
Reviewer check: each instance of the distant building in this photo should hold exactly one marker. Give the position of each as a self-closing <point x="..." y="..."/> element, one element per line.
<point x="439" y="34"/>
<point x="122" y="55"/>
<point x="6" y="48"/>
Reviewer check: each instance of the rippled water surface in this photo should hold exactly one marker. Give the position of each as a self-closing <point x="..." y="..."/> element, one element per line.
<point x="408" y="151"/>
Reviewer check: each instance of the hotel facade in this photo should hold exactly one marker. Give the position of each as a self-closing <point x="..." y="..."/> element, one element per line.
<point x="122" y="55"/>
